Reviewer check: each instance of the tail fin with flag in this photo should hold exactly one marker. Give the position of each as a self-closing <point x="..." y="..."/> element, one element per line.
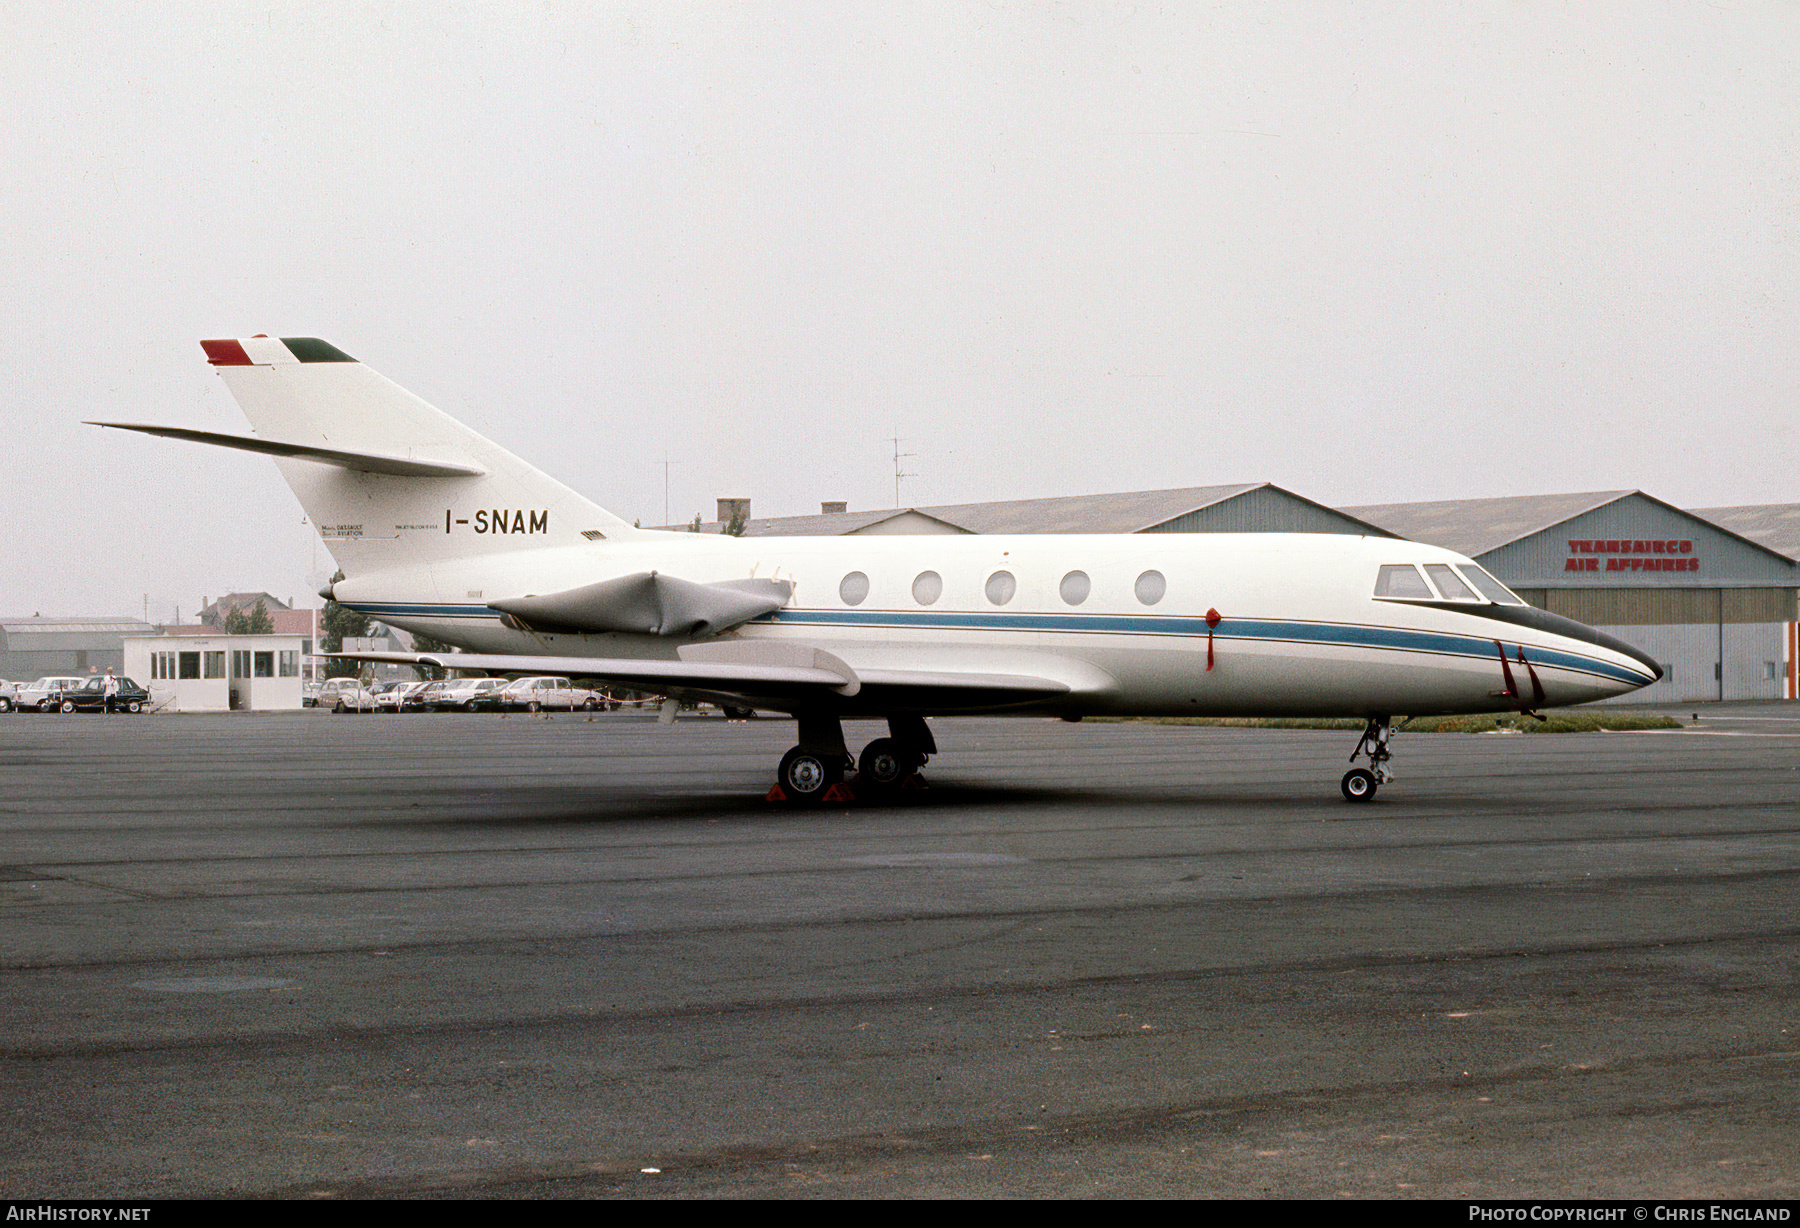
<point x="387" y="479"/>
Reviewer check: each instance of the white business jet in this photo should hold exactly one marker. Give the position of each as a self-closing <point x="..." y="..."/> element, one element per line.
<point x="438" y="530"/>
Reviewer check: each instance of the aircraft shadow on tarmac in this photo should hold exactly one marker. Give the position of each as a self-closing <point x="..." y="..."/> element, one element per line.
<point x="556" y="804"/>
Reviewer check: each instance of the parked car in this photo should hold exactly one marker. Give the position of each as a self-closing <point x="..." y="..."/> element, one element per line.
<point x="345" y="695"/>
<point x="91" y="696"/>
<point x="40" y="695"/>
<point x="399" y="696"/>
<point x="309" y="694"/>
<point x="8" y="695"/>
<point x="534" y="694"/>
<point x="425" y="698"/>
<point x="461" y="694"/>
<point x="379" y="689"/>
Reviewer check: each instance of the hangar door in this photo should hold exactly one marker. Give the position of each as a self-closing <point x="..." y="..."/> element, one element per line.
<point x="1713" y="643"/>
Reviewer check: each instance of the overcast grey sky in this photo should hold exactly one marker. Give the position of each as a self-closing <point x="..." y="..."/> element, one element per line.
<point x="1369" y="252"/>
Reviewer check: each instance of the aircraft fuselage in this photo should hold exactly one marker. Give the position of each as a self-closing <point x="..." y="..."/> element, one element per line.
<point x="1298" y="630"/>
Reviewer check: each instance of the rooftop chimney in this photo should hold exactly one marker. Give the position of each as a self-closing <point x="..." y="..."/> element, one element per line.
<point x="733" y="507"/>
<point x="833" y="509"/>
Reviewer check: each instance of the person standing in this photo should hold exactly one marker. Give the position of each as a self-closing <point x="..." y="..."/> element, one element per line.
<point x="110" y="688"/>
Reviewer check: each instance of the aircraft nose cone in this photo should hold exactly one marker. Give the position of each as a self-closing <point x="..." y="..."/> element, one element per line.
<point x="1636" y="654"/>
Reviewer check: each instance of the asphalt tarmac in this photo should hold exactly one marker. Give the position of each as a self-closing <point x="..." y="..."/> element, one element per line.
<point x="305" y="955"/>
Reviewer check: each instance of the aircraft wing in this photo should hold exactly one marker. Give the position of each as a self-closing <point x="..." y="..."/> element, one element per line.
<point x="773" y="679"/>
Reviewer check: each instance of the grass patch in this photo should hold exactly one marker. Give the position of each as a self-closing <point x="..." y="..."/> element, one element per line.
<point x="1482" y="722"/>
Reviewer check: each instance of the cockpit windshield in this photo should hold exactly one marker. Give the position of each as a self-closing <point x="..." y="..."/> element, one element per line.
<point x="1464" y="582"/>
<point x="1449" y="584"/>
<point x="1490" y="588"/>
<point x="1402" y="580"/>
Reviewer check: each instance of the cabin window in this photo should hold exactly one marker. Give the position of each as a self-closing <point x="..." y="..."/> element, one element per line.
<point x="1075" y="587"/>
<point x="1001" y="586"/>
<point x="1489" y="587"/>
<point x="1402" y="580"/>
<point x="853" y="589"/>
<point x="1150" y="587"/>
<point x="1448" y="584"/>
<point x="928" y="586"/>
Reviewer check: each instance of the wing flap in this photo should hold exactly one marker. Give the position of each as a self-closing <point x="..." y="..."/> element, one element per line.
<point x="802" y="677"/>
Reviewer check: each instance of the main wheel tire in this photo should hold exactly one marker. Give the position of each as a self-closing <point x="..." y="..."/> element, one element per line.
<point x="6" y="705"/>
<point x="46" y="705"/>
<point x="67" y="705"/>
<point x="805" y="775"/>
<point x="883" y="766"/>
<point x="134" y="707"/>
<point x="1358" y="785"/>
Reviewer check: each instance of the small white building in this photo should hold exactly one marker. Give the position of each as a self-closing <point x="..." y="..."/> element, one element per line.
<point x="217" y="673"/>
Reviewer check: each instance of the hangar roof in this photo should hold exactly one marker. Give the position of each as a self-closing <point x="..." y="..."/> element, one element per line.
<point x="70" y="626"/>
<point x="1531" y="540"/>
<point x="1476" y="526"/>
<point x="1134" y="511"/>
<point x="1774" y="526"/>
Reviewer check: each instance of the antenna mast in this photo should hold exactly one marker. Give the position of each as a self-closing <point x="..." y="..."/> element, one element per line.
<point x="898" y="455"/>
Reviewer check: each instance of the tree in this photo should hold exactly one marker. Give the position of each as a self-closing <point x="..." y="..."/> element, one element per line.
<point x="740" y="520"/>
<point x="424" y="643"/>
<point x="239" y="621"/>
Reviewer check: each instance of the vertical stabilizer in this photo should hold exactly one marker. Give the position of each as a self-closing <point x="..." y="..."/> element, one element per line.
<point x="342" y="435"/>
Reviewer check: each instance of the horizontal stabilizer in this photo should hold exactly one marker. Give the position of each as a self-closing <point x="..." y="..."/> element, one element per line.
<point x="651" y="604"/>
<point x="367" y="462"/>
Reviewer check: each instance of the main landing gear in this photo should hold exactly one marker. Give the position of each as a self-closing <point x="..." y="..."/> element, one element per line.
<point x="1359" y="784"/>
<point x="815" y="770"/>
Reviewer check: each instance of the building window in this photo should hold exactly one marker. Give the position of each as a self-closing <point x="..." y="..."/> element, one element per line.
<point x="190" y="665"/>
<point x="290" y="665"/>
<point x="265" y="665"/>
<point x="215" y="665"/>
<point x="240" y="663"/>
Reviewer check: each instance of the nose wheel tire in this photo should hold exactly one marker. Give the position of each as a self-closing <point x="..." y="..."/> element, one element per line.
<point x="1358" y="785"/>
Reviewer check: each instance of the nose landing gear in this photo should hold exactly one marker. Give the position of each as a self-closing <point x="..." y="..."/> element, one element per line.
<point x="1359" y="784"/>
